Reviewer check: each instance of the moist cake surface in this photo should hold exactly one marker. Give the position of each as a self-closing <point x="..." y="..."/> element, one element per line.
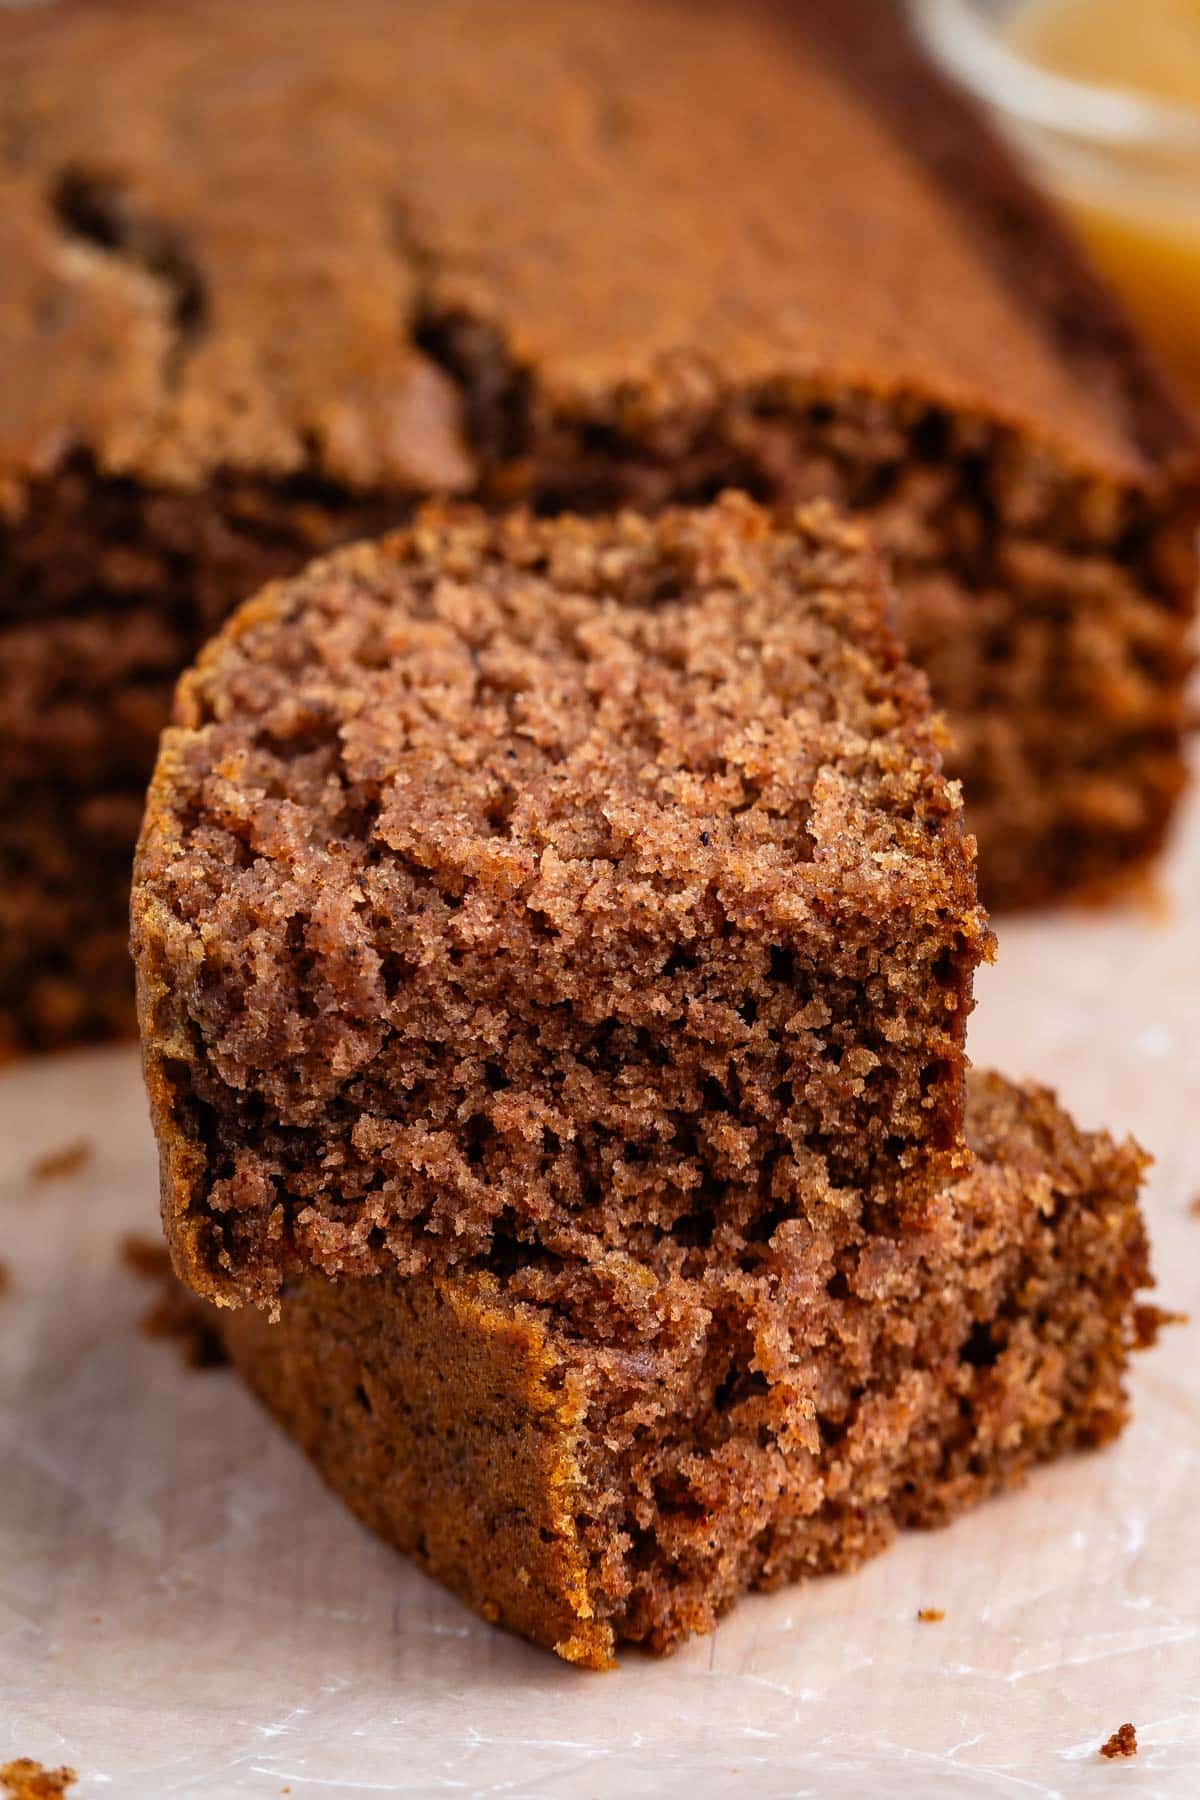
<point x="613" y="1453"/>
<point x="261" y="287"/>
<point x="550" y="882"/>
<point x="130" y="206"/>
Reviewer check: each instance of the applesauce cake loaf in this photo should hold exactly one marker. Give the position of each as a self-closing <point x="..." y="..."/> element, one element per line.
<point x="611" y="1452"/>
<point x="517" y="882"/>
<point x="268" y="281"/>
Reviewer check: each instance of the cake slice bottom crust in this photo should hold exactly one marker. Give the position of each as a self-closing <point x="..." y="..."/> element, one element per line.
<point x="611" y="1454"/>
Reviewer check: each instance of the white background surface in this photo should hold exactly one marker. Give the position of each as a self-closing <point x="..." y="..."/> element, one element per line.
<point x="184" y="1610"/>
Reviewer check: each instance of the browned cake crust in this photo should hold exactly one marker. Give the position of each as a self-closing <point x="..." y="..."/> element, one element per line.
<point x="547" y="883"/>
<point x="263" y="284"/>
<point x="615" y="1454"/>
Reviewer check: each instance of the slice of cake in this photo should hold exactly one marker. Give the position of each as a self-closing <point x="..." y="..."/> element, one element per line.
<point x="263" y="285"/>
<point x="512" y="883"/>
<point x="614" y="1452"/>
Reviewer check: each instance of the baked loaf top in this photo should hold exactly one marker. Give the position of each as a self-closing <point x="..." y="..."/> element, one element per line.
<point x="354" y="242"/>
<point x="549" y="880"/>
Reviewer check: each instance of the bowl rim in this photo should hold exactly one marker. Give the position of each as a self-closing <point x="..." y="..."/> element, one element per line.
<point x="962" y="40"/>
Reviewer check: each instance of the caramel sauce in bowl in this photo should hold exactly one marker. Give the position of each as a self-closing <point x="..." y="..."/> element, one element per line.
<point x="1103" y="96"/>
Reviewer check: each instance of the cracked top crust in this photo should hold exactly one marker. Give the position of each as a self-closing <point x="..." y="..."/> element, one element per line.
<point x="237" y="250"/>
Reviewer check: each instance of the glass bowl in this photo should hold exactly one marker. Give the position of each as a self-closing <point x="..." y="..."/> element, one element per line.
<point x="1127" y="165"/>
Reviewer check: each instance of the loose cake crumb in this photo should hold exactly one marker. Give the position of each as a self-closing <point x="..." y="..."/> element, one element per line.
<point x="57" y="1164"/>
<point x="145" y="1257"/>
<point x="1149" y="1320"/>
<point x="25" y="1779"/>
<point x="1194" y="1206"/>
<point x="1123" y="1742"/>
<point x="930" y="1615"/>
<point x="174" y="1314"/>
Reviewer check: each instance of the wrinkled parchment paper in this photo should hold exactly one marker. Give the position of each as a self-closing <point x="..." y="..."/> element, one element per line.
<point x="184" y="1610"/>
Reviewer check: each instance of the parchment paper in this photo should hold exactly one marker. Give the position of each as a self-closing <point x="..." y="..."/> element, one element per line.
<point x="185" y="1610"/>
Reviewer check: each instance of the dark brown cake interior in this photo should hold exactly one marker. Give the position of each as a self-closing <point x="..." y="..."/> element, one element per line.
<point x="550" y="883"/>
<point x="616" y="1452"/>
<point x="106" y="593"/>
<point x="825" y="1389"/>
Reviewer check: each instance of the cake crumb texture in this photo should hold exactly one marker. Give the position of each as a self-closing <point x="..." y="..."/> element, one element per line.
<point x="550" y="883"/>
<point x="609" y="1453"/>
